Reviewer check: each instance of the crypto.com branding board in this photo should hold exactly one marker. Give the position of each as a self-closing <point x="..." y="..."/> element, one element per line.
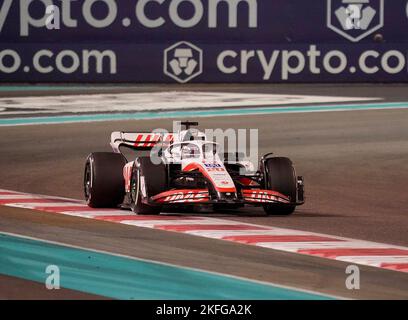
<point x="203" y="40"/>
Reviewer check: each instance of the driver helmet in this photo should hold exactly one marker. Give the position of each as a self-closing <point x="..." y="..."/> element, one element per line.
<point x="190" y="151"/>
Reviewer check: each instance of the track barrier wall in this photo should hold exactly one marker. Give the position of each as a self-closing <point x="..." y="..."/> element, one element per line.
<point x="203" y="41"/>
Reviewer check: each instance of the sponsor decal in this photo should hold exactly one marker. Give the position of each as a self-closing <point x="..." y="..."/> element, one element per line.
<point x="264" y="196"/>
<point x="183" y="62"/>
<point x="355" y="19"/>
<point x="186" y="196"/>
<point x="214" y="167"/>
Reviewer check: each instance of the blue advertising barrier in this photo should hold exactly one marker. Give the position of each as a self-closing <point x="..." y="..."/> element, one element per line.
<point x="180" y="41"/>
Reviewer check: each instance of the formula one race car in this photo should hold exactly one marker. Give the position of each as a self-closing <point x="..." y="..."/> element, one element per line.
<point x="186" y="170"/>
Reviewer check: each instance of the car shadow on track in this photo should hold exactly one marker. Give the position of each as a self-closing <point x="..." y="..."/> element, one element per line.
<point x="246" y="213"/>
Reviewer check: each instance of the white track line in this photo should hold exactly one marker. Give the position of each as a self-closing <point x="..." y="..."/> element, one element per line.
<point x="94" y="214"/>
<point x="156" y="101"/>
<point x="19" y="196"/>
<point x="48" y="204"/>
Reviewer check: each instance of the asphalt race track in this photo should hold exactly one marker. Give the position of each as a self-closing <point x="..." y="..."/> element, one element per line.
<point x="355" y="166"/>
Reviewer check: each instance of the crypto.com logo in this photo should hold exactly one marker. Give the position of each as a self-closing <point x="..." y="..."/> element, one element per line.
<point x="183" y="61"/>
<point x="355" y="19"/>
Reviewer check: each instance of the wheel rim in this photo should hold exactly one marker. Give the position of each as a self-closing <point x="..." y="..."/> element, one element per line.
<point x="87" y="182"/>
<point x="135" y="188"/>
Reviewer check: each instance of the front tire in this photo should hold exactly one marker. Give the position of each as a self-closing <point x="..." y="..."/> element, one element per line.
<point x="280" y="176"/>
<point x="104" y="185"/>
<point x="148" y="179"/>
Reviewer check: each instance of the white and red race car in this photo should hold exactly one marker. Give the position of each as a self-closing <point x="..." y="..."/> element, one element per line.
<point x="187" y="171"/>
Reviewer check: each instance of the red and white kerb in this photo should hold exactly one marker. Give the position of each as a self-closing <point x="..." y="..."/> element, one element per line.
<point x="354" y="251"/>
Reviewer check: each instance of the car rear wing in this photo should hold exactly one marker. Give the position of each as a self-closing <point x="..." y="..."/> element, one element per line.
<point x="139" y="140"/>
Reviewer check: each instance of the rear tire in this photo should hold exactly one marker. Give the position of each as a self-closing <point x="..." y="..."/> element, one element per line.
<point x="148" y="179"/>
<point x="280" y="176"/>
<point x="104" y="186"/>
